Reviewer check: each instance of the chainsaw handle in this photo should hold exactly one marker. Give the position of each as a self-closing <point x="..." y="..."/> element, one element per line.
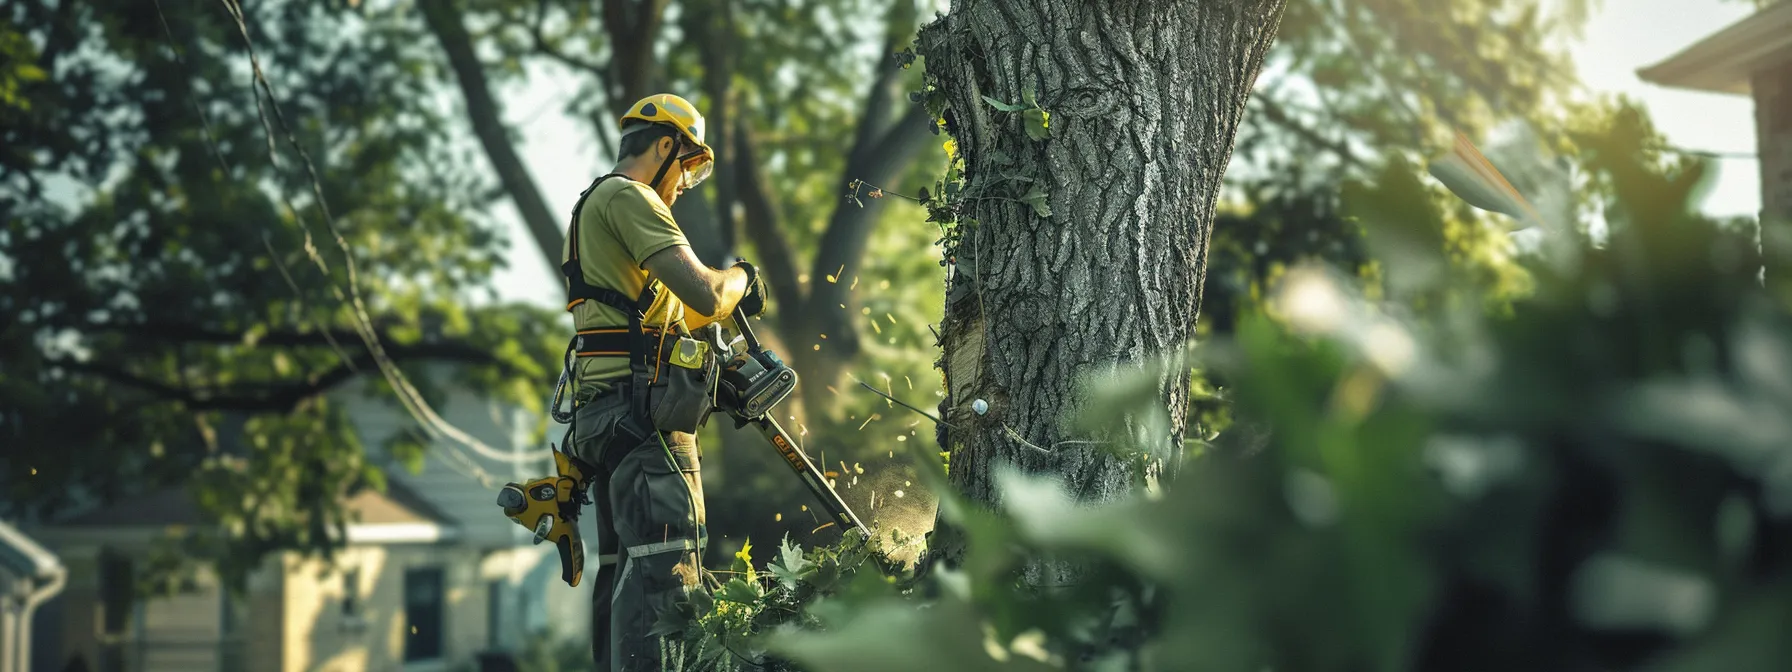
<point x="740" y="324"/>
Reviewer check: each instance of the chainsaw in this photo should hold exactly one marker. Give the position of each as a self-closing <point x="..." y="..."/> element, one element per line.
<point x="757" y="380"/>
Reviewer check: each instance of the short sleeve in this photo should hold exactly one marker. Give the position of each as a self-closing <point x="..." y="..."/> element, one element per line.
<point x="643" y="222"/>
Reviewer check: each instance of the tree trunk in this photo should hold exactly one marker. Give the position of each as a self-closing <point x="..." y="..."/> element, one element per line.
<point x="1144" y="101"/>
<point x="444" y="20"/>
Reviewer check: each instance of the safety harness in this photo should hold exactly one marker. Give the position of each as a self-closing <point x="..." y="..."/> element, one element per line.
<point x="632" y="342"/>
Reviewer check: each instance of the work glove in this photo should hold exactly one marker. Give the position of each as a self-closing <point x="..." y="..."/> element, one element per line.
<point x="753" y="302"/>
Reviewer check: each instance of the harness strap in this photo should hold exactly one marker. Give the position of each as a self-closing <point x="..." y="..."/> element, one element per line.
<point x="578" y="291"/>
<point x="607" y="342"/>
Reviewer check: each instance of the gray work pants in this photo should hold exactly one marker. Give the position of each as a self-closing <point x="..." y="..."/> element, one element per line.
<point x="650" y="530"/>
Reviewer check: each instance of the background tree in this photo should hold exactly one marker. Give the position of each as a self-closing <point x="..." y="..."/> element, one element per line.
<point x="164" y="325"/>
<point x="1351" y="87"/>
<point x="801" y="101"/>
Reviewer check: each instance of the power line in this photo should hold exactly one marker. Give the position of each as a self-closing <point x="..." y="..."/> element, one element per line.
<point x="408" y="396"/>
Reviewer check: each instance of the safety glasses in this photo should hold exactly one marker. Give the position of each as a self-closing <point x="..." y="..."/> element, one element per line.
<point x="698" y="164"/>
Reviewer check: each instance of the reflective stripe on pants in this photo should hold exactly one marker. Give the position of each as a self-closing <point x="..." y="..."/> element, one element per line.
<point x="649" y="535"/>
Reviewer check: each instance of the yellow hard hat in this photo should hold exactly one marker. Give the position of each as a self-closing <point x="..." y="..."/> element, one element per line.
<point x="671" y="110"/>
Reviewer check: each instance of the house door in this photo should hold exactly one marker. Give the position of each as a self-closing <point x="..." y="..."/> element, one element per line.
<point x="423" y="614"/>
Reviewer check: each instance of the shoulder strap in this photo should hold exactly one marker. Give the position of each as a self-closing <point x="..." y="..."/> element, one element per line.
<point x="577" y="290"/>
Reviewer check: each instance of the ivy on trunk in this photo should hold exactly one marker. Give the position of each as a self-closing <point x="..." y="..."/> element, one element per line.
<point x="1092" y="138"/>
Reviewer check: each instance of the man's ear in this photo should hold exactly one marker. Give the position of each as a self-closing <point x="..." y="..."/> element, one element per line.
<point x="666" y="145"/>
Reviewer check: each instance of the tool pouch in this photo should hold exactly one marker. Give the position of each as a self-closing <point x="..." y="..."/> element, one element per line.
<point x="682" y="392"/>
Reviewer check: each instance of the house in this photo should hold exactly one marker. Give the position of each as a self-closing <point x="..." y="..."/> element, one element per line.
<point x="384" y="600"/>
<point x="29" y="575"/>
<point x="433" y="576"/>
<point x="1752" y="57"/>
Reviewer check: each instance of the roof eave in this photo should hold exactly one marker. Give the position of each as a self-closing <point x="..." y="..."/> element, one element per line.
<point x="1725" y="61"/>
<point x="21" y="555"/>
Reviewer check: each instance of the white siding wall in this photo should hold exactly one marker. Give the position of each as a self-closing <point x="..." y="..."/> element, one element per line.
<point x="181" y="633"/>
<point x="533" y="596"/>
<point x="447" y="480"/>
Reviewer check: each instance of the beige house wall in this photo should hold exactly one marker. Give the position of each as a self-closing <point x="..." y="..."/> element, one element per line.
<point x="291" y="619"/>
<point x="320" y="637"/>
<point x="176" y="627"/>
<point x="262" y="619"/>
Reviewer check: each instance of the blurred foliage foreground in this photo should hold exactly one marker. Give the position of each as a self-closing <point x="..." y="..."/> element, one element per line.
<point x="1598" y="479"/>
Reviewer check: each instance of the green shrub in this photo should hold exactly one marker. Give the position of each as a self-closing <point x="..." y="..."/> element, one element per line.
<point x="1597" y="477"/>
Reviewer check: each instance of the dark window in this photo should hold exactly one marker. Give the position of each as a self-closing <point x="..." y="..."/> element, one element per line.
<point x="117" y="590"/>
<point x="494" y="615"/>
<point x="423" y="614"/>
<point x="351" y="593"/>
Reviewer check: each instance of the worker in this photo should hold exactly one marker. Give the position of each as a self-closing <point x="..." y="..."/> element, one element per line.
<point x="636" y="410"/>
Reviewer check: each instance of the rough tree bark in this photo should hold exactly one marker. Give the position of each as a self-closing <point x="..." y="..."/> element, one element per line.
<point x="1145" y="98"/>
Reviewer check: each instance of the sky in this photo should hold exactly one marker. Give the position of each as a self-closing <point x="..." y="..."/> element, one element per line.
<point x="1628" y="35"/>
<point x="1620" y="38"/>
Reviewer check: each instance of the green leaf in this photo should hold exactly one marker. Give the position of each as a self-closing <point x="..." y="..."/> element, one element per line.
<point x="702" y="602"/>
<point x="1005" y="107"/>
<point x="666" y="624"/>
<point x="1027" y="96"/>
<point x="826" y="574"/>
<point x="671" y="618"/>
<point x="1044" y="514"/>
<point x="791" y="565"/>
<point x="1038" y="123"/>
<point x="1036" y="197"/>
<point x="740" y="591"/>
<point x="892" y="634"/>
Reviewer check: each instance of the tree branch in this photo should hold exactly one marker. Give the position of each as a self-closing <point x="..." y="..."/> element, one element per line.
<point x="874" y="121"/>
<point x="777" y="257"/>
<point x="878" y="154"/>
<point x="171" y="331"/>
<point x="277" y="397"/>
<point x="1275" y="113"/>
<point x="605" y="85"/>
<point x="849" y="229"/>
<point x="632" y="26"/>
<point x="547" y="48"/>
<point x="716" y="51"/>
<point x="482" y="111"/>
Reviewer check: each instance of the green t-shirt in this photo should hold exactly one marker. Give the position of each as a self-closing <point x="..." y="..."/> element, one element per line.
<point x="622" y="223"/>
